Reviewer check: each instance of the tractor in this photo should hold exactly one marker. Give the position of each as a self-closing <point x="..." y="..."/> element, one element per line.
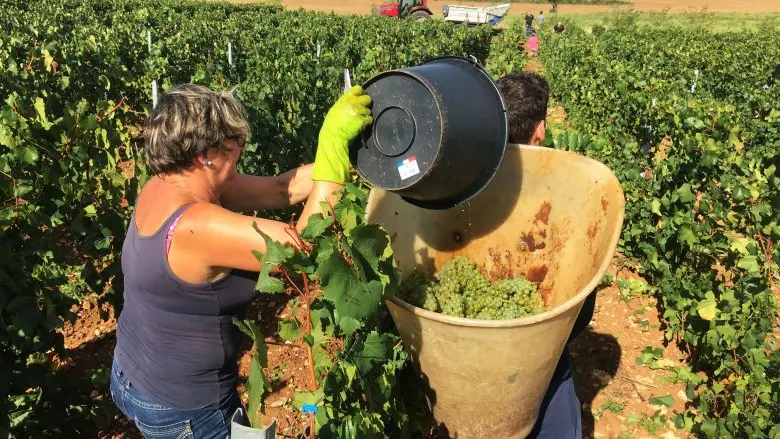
<point x="414" y="9"/>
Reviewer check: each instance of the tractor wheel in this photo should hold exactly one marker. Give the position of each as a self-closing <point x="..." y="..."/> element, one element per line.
<point x="419" y="15"/>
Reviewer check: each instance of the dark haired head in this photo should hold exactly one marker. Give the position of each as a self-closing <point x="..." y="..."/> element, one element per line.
<point x="526" y="95"/>
<point x="187" y="121"/>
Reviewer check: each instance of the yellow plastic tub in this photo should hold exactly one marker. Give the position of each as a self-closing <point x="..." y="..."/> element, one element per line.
<point x="552" y="216"/>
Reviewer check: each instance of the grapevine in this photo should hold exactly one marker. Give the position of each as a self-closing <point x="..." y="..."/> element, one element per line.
<point x="75" y="85"/>
<point x="343" y="285"/>
<point x="688" y="121"/>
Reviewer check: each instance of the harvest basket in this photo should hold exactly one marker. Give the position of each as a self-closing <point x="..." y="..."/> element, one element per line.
<point x="552" y="216"/>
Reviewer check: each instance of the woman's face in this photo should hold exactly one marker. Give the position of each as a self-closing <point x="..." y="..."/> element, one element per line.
<point x="226" y="159"/>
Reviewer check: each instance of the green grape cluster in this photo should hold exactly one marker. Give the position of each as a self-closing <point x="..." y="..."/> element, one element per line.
<point x="459" y="289"/>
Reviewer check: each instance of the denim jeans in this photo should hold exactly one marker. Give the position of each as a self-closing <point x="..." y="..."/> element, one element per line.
<point x="560" y="416"/>
<point x="158" y="422"/>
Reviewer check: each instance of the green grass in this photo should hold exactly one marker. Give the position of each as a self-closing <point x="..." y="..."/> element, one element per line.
<point x="712" y="21"/>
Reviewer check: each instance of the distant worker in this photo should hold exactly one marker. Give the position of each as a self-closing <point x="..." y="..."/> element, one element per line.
<point x="526" y="95"/>
<point x="558" y="28"/>
<point x="533" y="44"/>
<point x="540" y="18"/>
<point x="529" y="23"/>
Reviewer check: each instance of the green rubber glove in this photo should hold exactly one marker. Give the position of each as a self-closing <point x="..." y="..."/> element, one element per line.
<point x="344" y="121"/>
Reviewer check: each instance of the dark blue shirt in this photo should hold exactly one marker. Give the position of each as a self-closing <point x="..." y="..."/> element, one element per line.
<point x="176" y="341"/>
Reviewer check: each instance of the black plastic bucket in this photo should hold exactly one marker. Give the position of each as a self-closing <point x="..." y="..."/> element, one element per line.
<point x="439" y="132"/>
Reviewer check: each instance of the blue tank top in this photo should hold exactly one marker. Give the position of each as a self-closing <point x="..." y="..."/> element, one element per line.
<point x="176" y="341"/>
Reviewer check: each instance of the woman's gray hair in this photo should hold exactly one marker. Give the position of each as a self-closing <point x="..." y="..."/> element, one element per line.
<point x="187" y="121"/>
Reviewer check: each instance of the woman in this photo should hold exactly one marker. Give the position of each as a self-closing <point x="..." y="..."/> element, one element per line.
<point x="533" y="45"/>
<point x="187" y="259"/>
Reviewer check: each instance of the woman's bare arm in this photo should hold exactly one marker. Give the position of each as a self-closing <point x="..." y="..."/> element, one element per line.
<point x="217" y="237"/>
<point x="248" y="193"/>
<point x="322" y="191"/>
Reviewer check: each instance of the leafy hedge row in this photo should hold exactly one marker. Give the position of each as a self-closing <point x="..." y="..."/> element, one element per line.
<point x="506" y="51"/>
<point x="75" y="81"/>
<point x="690" y="123"/>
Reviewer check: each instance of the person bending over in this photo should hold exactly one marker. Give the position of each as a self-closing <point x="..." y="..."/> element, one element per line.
<point x="533" y="45"/>
<point x="526" y="95"/>
<point x="187" y="258"/>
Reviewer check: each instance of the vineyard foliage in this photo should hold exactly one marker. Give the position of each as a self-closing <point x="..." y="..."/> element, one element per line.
<point x="342" y="280"/>
<point x="506" y="51"/>
<point x="690" y="123"/>
<point x="75" y="82"/>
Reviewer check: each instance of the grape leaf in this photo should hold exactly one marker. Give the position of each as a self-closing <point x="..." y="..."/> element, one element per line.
<point x="322" y="360"/>
<point x="266" y="283"/>
<point x="30" y="154"/>
<point x="685" y="194"/>
<point x="749" y="264"/>
<point x="740" y="244"/>
<point x="40" y="109"/>
<point x="349" y="325"/>
<point x="257" y="383"/>
<point x="322" y="320"/>
<point x="6" y="135"/>
<point x="740" y="194"/>
<point x="374" y="350"/>
<point x="667" y="400"/>
<point x="275" y="254"/>
<point x="656" y="207"/>
<point x="707" y="309"/>
<point x="354" y="193"/>
<point x="345" y="291"/>
<point x="349" y="371"/>
<point x="323" y="249"/>
<point x="308" y="397"/>
<point x="289" y="330"/>
<point x="316" y="226"/>
<point x="257" y="386"/>
<point x="369" y="242"/>
<point x="348" y="218"/>
<point x="90" y="123"/>
<point x="649" y="355"/>
<point x="249" y="328"/>
<point x="686" y="235"/>
<point x="710" y="428"/>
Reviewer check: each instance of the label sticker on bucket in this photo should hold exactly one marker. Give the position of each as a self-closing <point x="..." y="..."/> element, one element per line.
<point x="408" y="168"/>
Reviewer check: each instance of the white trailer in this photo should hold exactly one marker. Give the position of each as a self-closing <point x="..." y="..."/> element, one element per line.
<point x="475" y="15"/>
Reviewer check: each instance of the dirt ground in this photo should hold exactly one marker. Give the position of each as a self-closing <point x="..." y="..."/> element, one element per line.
<point x="364" y="6"/>
<point x="613" y="389"/>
